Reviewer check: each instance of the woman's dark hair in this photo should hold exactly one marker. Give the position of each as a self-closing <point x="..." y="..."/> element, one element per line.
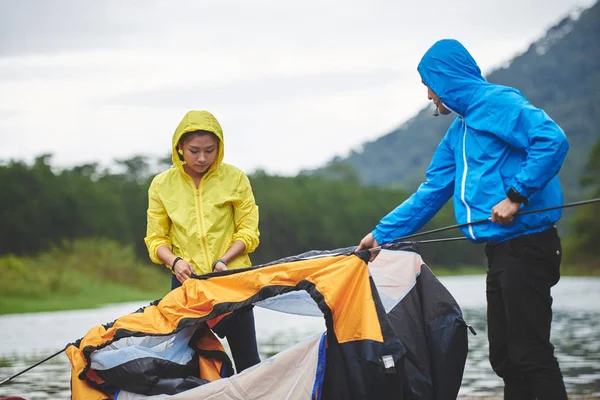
<point x="187" y="135"/>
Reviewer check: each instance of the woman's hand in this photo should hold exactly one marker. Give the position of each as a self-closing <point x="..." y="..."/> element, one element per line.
<point x="182" y="270"/>
<point x="236" y="249"/>
<point x="220" y="266"/>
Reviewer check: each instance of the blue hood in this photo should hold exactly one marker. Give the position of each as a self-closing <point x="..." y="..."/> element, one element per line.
<point x="448" y="69"/>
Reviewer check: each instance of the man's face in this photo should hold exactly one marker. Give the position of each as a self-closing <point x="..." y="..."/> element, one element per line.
<point x="438" y="103"/>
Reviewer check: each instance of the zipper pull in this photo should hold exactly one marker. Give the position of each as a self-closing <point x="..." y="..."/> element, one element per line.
<point x="471" y="329"/>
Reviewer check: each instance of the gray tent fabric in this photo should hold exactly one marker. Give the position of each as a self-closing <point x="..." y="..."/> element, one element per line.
<point x="430" y="324"/>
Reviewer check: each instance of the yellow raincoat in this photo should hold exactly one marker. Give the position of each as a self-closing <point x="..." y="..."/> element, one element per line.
<point x="200" y="224"/>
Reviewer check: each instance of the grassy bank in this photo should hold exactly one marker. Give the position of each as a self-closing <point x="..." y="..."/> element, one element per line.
<point x="81" y="274"/>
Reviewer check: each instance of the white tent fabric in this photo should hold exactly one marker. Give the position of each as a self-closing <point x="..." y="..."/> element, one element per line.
<point x="288" y="375"/>
<point x="395" y="274"/>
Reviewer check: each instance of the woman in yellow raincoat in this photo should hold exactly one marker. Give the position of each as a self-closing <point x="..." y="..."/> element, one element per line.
<point x="202" y="217"/>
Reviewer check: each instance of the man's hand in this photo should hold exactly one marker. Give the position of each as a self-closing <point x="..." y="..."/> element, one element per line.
<point x="183" y="270"/>
<point x="504" y="212"/>
<point x="369" y="242"/>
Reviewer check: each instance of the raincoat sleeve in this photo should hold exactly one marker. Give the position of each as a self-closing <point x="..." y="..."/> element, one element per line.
<point x="158" y="224"/>
<point x="531" y="130"/>
<point x="419" y="208"/>
<point x="245" y="214"/>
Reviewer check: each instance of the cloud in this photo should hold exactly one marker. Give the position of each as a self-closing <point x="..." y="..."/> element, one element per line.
<point x="38" y="26"/>
<point x="293" y="83"/>
<point x="6" y="114"/>
<point x="258" y="92"/>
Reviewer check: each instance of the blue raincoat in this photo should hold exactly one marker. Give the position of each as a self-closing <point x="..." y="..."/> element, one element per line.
<point x="499" y="140"/>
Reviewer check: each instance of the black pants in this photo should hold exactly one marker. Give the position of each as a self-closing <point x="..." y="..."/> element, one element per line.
<point x="240" y="332"/>
<point x="521" y="272"/>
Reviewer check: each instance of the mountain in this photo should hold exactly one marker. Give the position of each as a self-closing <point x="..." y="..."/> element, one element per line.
<point x="559" y="73"/>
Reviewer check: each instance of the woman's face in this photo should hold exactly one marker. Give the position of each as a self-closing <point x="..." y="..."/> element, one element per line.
<point x="200" y="152"/>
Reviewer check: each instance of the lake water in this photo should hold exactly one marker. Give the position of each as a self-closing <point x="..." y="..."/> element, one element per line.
<point x="28" y="338"/>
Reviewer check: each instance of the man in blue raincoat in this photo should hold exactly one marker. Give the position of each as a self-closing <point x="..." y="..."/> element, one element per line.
<point x="501" y="155"/>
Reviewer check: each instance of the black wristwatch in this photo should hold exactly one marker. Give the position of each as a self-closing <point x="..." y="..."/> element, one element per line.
<point x="516" y="197"/>
<point x="220" y="260"/>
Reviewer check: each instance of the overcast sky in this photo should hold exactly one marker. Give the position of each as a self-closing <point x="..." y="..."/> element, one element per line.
<point x="292" y="83"/>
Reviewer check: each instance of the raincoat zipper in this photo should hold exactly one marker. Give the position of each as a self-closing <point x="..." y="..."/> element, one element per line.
<point x="465" y="169"/>
<point x="201" y="228"/>
<point x="199" y="215"/>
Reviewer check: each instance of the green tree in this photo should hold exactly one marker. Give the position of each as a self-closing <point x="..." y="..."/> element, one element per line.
<point x="582" y="244"/>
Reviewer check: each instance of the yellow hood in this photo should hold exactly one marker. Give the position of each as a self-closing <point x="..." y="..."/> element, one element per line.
<point x="198" y="121"/>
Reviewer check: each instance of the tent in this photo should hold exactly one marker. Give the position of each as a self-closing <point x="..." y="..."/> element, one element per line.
<point x="392" y="332"/>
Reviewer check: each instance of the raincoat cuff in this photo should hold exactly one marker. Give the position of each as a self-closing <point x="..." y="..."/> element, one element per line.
<point x="378" y="236"/>
<point x="243" y="240"/>
<point x="153" y="249"/>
